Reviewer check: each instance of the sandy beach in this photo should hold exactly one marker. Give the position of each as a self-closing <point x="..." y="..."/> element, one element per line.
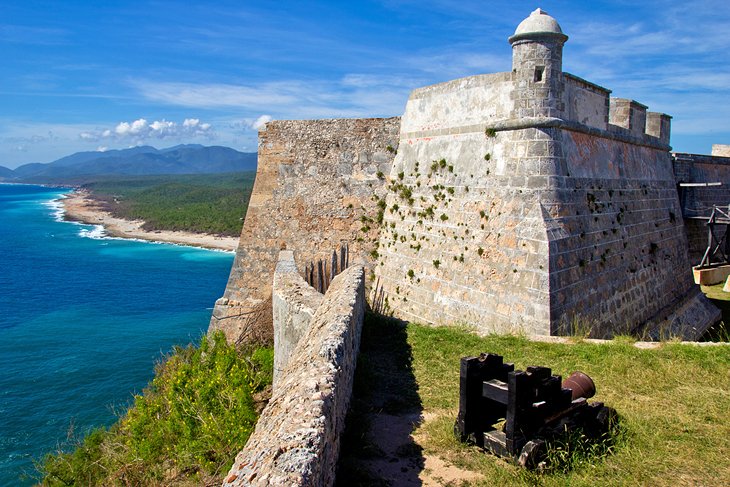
<point x="80" y="207"/>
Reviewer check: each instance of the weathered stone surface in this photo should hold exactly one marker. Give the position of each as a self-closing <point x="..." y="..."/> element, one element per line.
<point x="294" y="303"/>
<point x="315" y="181"/>
<point x="297" y="438"/>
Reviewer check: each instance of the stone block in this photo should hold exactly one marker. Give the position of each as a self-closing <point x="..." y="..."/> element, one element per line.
<point x="710" y="276"/>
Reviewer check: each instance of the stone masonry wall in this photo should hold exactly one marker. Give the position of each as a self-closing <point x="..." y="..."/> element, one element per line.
<point x="317" y="185"/>
<point x="586" y="103"/>
<point x="530" y="224"/>
<point x="698" y="201"/>
<point x="294" y="303"/>
<point x="619" y="256"/>
<point x="297" y="437"/>
<point x="464" y="238"/>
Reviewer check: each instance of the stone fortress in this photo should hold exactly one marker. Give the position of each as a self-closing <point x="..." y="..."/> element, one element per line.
<point x="528" y="201"/>
<point x="525" y="201"/>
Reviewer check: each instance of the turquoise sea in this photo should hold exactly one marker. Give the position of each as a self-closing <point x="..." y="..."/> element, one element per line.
<point x="83" y="319"/>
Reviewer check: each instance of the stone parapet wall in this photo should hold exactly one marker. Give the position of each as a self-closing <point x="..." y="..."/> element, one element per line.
<point x="297" y="437"/>
<point x="317" y="186"/>
<point x="467" y="101"/>
<point x="586" y="103"/>
<point x="294" y="303"/>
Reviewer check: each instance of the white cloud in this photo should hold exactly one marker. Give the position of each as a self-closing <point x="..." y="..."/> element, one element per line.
<point x="261" y="121"/>
<point x="140" y="130"/>
<point x="349" y="96"/>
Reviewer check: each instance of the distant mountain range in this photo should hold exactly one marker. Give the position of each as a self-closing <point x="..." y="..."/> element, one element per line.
<point x="137" y="161"/>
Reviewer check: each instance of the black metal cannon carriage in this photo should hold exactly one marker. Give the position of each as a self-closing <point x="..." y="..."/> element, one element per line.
<point x="535" y="405"/>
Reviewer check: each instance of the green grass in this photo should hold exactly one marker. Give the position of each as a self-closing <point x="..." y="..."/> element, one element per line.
<point x="185" y="428"/>
<point x="715" y="292"/>
<point x="211" y="203"/>
<point x="674" y="404"/>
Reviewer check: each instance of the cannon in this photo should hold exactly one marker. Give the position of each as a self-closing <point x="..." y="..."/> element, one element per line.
<point x="534" y="406"/>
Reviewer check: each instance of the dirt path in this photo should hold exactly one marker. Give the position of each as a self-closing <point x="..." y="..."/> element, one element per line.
<point x="382" y="445"/>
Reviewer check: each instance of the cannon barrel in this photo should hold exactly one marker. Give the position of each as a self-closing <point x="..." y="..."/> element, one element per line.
<point x="580" y="384"/>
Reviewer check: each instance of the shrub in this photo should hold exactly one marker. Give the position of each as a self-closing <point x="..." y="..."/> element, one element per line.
<point x="188" y="424"/>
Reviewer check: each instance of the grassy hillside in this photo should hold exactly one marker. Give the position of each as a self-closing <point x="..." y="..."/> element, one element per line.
<point x="211" y="203"/>
<point x="673" y="403"/>
<point x="186" y="427"/>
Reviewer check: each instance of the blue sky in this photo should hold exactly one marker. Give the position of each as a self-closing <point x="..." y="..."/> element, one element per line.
<point x="88" y="75"/>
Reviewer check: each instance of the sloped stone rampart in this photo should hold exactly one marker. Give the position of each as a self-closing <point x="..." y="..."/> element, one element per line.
<point x="619" y="253"/>
<point x="294" y="303"/>
<point x="536" y="228"/>
<point x="297" y="438"/>
<point x="315" y="182"/>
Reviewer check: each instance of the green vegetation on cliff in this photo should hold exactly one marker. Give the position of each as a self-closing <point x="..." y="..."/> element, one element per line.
<point x="210" y="203"/>
<point x="186" y="427"/>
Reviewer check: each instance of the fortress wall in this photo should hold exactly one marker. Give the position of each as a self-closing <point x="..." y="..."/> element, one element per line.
<point x="315" y="180"/>
<point x="698" y="201"/>
<point x="471" y="247"/>
<point x="464" y="240"/>
<point x="551" y="225"/>
<point x="297" y="437"/>
<point x="585" y="102"/>
<point x="464" y="105"/>
<point x="622" y="257"/>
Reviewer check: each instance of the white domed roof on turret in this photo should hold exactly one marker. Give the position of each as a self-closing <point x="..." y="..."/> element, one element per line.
<point x="539" y="22"/>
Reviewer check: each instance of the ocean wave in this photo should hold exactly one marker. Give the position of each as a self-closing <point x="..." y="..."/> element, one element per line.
<point x="56" y="207"/>
<point x="97" y="232"/>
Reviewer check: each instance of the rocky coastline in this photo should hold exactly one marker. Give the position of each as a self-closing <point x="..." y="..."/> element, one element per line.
<point x="80" y="206"/>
